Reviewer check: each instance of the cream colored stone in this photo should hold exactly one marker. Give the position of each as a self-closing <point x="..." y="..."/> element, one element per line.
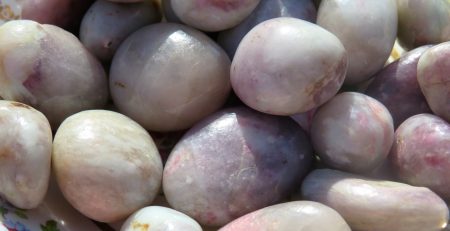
<point x="106" y="165"/>
<point x="25" y="154"/>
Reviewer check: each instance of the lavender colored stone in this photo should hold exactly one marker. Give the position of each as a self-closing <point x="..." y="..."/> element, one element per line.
<point x="49" y="69"/>
<point x="303" y="215"/>
<point x="106" y="24"/>
<point x="368" y="204"/>
<point x="421" y="153"/>
<point x="168" y="76"/>
<point x="432" y="74"/>
<point x="286" y="66"/>
<point x="235" y="162"/>
<point x="397" y="88"/>
<point x="302" y="9"/>
<point x="213" y="15"/>
<point x="352" y="132"/>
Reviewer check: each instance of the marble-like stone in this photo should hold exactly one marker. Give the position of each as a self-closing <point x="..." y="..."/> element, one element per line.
<point x="106" y="165"/>
<point x="368" y="204"/>
<point x="25" y="154"/>
<point x="168" y="76"/>
<point x="286" y="66"/>
<point x="49" y="69"/>
<point x="295" y="215"/>
<point x="367" y="29"/>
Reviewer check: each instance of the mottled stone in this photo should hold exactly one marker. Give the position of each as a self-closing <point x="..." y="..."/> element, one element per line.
<point x="168" y="76"/>
<point x="286" y="66"/>
<point x="434" y="79"/>
<point x="106" y="165"/>
<point x="25" y="154"/>
<point x="397" y="88"/>
<point x="234" y="162"/>
<point x="213" y="15"/>
<point x="369" y="205"/>
<point x="49" y="69"/>
<point x="423" y="22"/>
<point x="302" y="9"/>
<point x="367" y="29"/>
<point x="106" y="24"/>
<point x="303" y="215"/>
<point x="352" y="132"/>
<point x="421" y="153"/>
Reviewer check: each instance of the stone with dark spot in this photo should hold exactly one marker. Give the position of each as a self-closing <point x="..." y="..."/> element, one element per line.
<point x="106" y="24"/>
<point x="17" y="104"/>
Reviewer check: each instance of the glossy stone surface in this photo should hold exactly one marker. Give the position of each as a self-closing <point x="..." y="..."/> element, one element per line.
<point x="397" y="88"/>
<point x="303" y="215"/>
<point x="159" y="218"/>
<point x="367" y="29"/>
<point x="234" y="162"/>
<point x="302" y="9"/>
<point x="213" y="15"/>
<point x="421" y="153"/>
<point x="106" y="165"/>
<point x="423" y="22"/>
<point x="374" y="204"/>
<point x="106" y="24"/>
<point x="169" y="15"/>
<point x="168" y="76"/>
<point x="434" y="80"/>
<point x="286" y="66"/>
<point x="48" y="68"/>
<point x="25" y="154"/>
<point x="352" y="132"/>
